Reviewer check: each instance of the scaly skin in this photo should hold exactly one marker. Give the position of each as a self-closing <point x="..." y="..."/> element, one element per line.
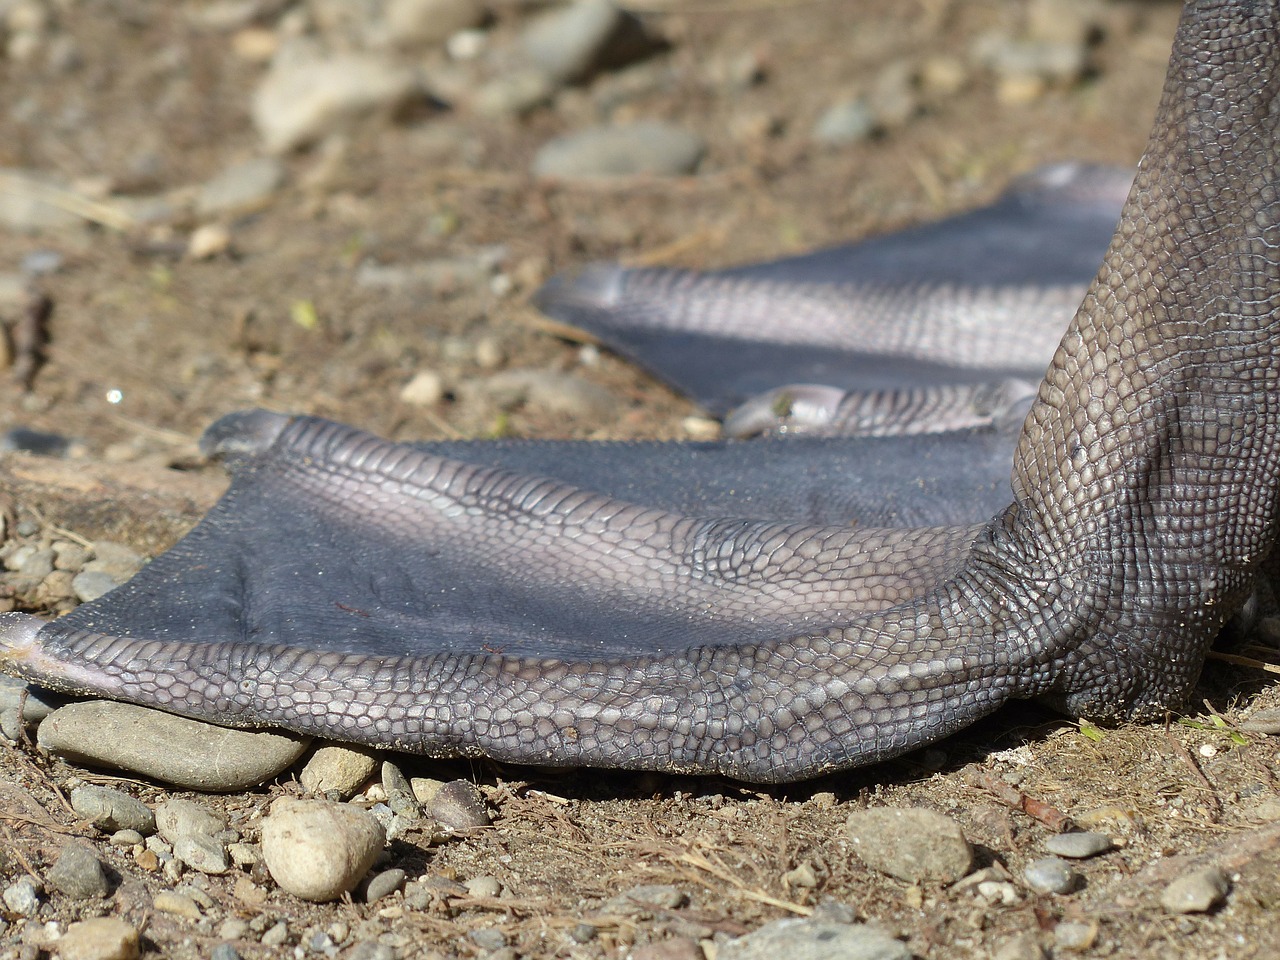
<point x="1145" y="496"/>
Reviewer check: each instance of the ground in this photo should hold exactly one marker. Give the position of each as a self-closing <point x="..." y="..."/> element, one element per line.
<point x="147" y="345"/>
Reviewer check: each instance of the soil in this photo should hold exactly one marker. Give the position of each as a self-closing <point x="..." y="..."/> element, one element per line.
<point x="146" y="346"/>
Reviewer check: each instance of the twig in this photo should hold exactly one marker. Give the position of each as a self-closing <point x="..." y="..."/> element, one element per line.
<point x="720" y="872"/>
<point x="1008" y="794"/>
<point x="81" y="206"/>
<point x="1240" y="661"/>
<point x="1215" y="809"/>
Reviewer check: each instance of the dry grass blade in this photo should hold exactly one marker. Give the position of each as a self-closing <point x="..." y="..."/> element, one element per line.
<point x="1245" y="662"/>
<point x="700" y="862"/>
<point x="103" y="214"/>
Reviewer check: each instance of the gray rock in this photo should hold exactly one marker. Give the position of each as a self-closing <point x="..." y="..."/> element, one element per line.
<point x="442" y="277"/>
<point x="31" y="560"/>
<point x="304" y="98"/>
<point x="562" y="394"/>
<point x="488" y="938"/>
<point x="1051" y="60"/>
<point x="91" y="584"/>
<point x="515" y="92"/>
<point x="117" y="559"/>
<point x="384" y="884"/>
<point x="911" y="844"/>
<point x="414" y="23"/>
<point x="176" y="819"/>
<point x="224" y="951"/>
<point x="400" y="796"/>
<point x="1051" y="875"/>
<point x="111" y="810"/>
<point x="1078" y="846"/>
<point x="34" y="704"/>
<point x="456" y="805"/>
<point x="572" y="43"/>
<point x="644" y="898"/>
<point x="484" y="886"/>
<point x="22" y="897"/>
<point x="204" y="853"/>
<point x="101" y="938"/>
<point x="648" y="147"/>
<point x="1197" y="892"/>
<point x="175" y="750"/>
<point x="1075" y="935"/>
<point x="371" y="950"/>
<point x="1262" y="721"/>
<point x="241" y="189"/>
<point x="319" y="850"/>
<point x="78" y="873"/>
<point x="797" y="939"/>
<point x="340" y="769"/>
<point x="276" y="936"/>
<point x="845" y="122"/>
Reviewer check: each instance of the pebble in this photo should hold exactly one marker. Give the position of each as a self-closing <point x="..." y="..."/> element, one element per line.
<point x="176" y="819"/>
<point x="441" y="277"/>
<point x="126" y="838"/>
<point x="483" y="886"/>
<point x="172" y="749"/>
<point x="845" y="122"/>
<point x="102" y="938"/>
<point x="798" y="939"/>
<point x="911" y="844"/>
<point x="1262" y="721"/>
<point x="646" y="897"/>
<point x="177" y="904"/>
<point x="646" y="147"/>
<point x="38" y="442"/>
<point x="424" y="389"/>
<point x="456" y="805"/>
<point x="339" y="769"/>
<point x="1024" y="947"/>
<point x="414" y="23"/>
<point x="22" y="897"/>
<point x="89" y="585"/>
<point x="384" y="884"/>
<point x="78" y="873"/>
<point x="35" y="706"/>
<point x="677" y="948"/>
<point x="240" y="189"/>
<point x="318" y="850"/>
<point x="573" y="42"/>
<point x="224" y="951"/>
<point x="276" y="936"/>
<point x="1075" y="934"/>
<point x="203" y="853"/>
<point x="561" y="394"/>
<point x="117" y="559"/>
<point x="1197" y="892"/>
<point x="1051" y="875"/>
<point x="110" y="810"/>
<point x="1078" y="845"/>
<point x="302" y="99"/>
<point x="488" y="938"/>
<point x="400" y="796"/>
<point x="516" y="92"/>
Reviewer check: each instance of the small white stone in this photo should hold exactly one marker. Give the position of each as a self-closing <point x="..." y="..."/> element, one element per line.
<point x="319" y="850"/>
<point x="102" y="938"/>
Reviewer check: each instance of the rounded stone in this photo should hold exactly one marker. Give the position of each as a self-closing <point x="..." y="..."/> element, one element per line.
<point x="798" y="939"/>
<point x="102" y="938"/>
<point x="338" y="769"/>
<point x="384" y="884"/>
<point x="1051" y="875"/>
<point x="647" y="147"/>
<point x="1078" y="846"/>
<point x="911" y="844"/>
<point x="78" y="874"/>
<point x="1197" y="892"/>
<point x="176" y="819"/>
<point x="112" y="810"/>
<point x="456" y="805"/>
<point x="182" y="752"/>
<point x="318" y="850"/>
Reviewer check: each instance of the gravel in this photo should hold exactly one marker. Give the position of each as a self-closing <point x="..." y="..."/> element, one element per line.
<point x="338" y="769"/>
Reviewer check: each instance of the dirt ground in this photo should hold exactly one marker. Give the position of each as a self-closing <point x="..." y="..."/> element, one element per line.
<point x="146" y="346"/>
